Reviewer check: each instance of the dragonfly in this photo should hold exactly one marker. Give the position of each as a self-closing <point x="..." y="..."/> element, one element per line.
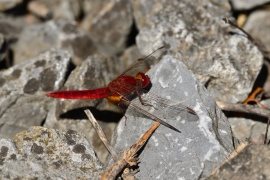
<point x="133" y="82"/>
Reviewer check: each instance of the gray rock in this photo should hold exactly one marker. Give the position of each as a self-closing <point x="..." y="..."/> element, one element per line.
<point x="48" y="153"/>
<point x="5" y="5"/>
<point x="10" y="130"/>
<point x="247" y="4"/>
<point x="245" y="128"/>
<point x="23" y="86"/>
<point x="130" y="55"/>
<point x="250" y="127"/>
<point x="3" y="47"/>
<point x="199" y="12"/>
<point x="257" y="25"/>
<point x="251" y="163"/>
<point x="91" y="7"/>
<point x="78" y="122"/>
<point x="62" y="9"/>
<point x="204" y="141"/>
<point x="109" y="25"/>
<point x="59" y="34"/>
<point x="195" y="33"/>
<point x="11" y="27"/>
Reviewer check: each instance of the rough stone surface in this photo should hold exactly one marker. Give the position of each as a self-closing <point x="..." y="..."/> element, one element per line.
<point x="62" y="9"/>
<point x="195" y="32"/>
<point x="220" y="57"/>
<point x="110" y="25"/>
<point x="23" y="101"/>
<point x="130" y="55"/>
<point x="3" y="47"/>
<point x="11" y="27"/>
<point x="251" y="163"/>
<point x="247" y="4"/>
<point x="77" y="120"/>
<point x="59" y="34"/>
<point x="245" y="128"/>
<point x="204" y="141"/>
<point x="258" y="25"/>
<point x="5" y="5"/>
<point x="39" y="153"/>
<point x="250" y="126"/>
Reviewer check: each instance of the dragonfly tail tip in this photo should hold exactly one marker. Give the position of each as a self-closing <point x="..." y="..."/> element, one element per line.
<point x="49" y="95"/>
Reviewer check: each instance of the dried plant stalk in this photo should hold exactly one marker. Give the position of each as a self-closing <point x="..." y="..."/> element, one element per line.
<point x="101" y="135"/>
<point x="129" y="158"/>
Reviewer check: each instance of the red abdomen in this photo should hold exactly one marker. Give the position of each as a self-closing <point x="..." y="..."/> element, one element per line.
<point x="81" y="94"/>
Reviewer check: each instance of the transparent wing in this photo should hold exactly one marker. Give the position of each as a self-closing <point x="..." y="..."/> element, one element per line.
<point x="157" y="108"/>
<point x="138" y="111"/>
<point x="142" y="64"/>
<point x="165" y="108"/>
<point x="155" y="104"/>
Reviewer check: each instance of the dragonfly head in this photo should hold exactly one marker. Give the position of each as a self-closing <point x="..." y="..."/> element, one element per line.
<point x="144" y="79"/>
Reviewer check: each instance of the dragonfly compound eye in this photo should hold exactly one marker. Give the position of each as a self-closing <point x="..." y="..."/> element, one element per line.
<point x="144" y="78"/>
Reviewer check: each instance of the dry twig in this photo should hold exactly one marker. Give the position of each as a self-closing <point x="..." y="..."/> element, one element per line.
<point x="255" y="96"/>
<point x="244" y="108"/>
<point x="266" y="131"/>
<point x="232" y="155"/>
<point x="247" y="109"/>
<point x="101" y="135"/>
<point x="129" y="157"/>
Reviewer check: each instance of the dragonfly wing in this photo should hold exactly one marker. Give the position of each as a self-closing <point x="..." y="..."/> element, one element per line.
<point x="166" y="109"/>
<point x="158" y="109"/>
<point x="138" y="111"/>
<point x="142" y="64"/>
<point x="161" y="107"/>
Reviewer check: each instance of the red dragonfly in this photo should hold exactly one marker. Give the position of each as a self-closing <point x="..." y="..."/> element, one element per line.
<point x="132" y="82"/>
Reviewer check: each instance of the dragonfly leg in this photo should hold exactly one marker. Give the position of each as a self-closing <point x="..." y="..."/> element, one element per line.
<point x="144" y="103"/>
<point x="125" y="119"/>
<point x="123" y="112"/>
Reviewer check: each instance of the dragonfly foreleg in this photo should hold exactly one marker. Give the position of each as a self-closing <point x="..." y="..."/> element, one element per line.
<point x="122" y="111"/>
<point x="144" y="103"/>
